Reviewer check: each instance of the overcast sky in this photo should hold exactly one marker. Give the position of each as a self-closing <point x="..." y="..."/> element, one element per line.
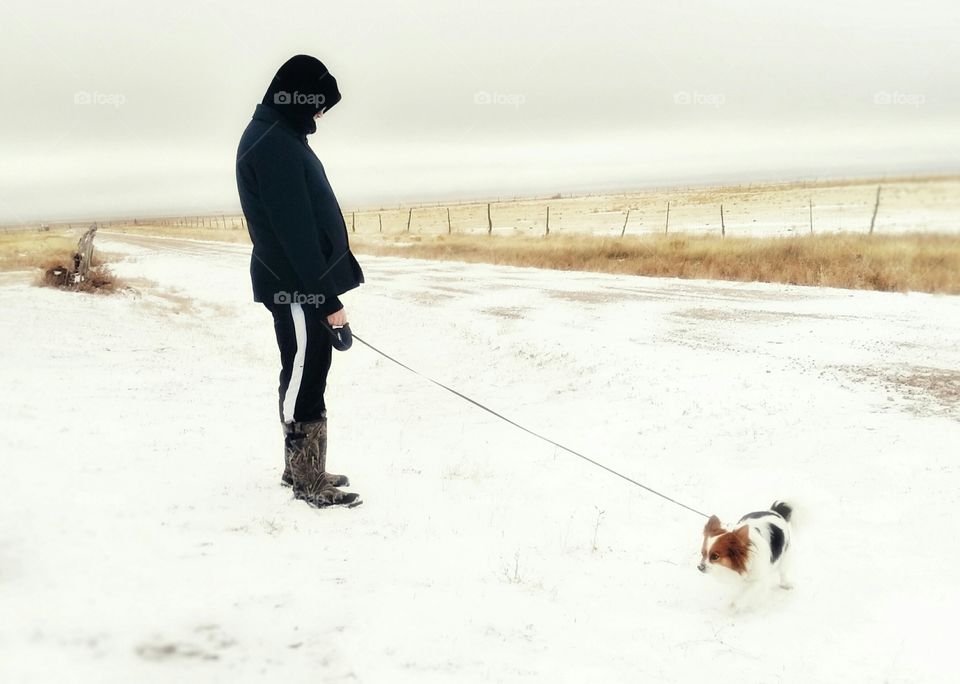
<point x="132" y="107"/>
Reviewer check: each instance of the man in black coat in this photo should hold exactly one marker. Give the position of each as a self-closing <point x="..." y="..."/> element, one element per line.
<point x="301" y="262"/>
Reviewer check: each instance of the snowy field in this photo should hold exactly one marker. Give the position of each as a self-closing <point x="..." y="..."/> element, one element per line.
<point x="145" y="536"/>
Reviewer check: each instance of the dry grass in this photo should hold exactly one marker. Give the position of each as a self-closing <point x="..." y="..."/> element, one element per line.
<point x="914" y="261"/>
<point x="925" y="263"/>
<point x="100" y="279"/>
<point x="50" y="253"/>
<point x="24" y="250"/>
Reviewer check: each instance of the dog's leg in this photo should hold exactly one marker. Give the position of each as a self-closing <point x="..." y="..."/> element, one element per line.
<point x="785" y="582"/>
<point x="747" y="595"/>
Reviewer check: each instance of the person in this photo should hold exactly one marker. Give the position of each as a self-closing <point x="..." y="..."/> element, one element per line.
<point x="300" y="264"/>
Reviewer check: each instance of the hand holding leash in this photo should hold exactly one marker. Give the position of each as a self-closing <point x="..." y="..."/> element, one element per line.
<point x="338" y="318"/>
<point x="340" y="336"/>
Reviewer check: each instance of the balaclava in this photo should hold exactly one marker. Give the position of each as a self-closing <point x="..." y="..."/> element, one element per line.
<point x="302" y="87"/>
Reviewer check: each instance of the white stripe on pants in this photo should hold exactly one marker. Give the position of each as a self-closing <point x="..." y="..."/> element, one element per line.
<point x="296" y="373"/>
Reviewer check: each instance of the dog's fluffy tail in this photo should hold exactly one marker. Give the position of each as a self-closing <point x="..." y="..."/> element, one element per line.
<point x="783" y="508"/>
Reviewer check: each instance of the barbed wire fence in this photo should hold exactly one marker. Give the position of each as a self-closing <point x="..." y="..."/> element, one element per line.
<point x="742" y="211"/>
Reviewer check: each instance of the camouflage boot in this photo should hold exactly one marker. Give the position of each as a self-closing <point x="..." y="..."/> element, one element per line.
<point x="306" y="449"/>
<point x="287" y="478"/>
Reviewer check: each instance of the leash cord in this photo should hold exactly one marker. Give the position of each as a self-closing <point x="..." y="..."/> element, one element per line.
<point x="529" y="431"/>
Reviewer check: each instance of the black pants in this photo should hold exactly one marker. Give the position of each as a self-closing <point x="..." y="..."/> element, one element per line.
<point x="305" y="355"/>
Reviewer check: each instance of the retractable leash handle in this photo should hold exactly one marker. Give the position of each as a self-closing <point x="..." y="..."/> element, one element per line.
<point x="341" y="337"/>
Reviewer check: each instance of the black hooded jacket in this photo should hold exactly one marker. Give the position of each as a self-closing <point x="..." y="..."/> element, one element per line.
<point x="301" y="252"/>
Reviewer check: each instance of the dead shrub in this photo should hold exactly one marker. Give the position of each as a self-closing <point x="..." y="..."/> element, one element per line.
<point x="100" y="279"/>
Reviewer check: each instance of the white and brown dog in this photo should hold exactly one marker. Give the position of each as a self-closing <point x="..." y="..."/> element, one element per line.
<point x="752" y="554"/>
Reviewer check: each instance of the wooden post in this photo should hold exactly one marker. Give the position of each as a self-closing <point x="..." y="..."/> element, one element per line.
<point x="409" y="216"/>
<point x="449" y="227"/>
<point x="666" y="226"/>
<point x="353" y="222"/>
<point x="876" y="205"/>
<point x="723" y="227"/>
<point x="380" y="219"/>
<point x="811" y="216"/>
<point x="627" y="218"/>
<point x="548" y="220"/>
<point x="83" y="256"/>
<point x="489" y="221"/>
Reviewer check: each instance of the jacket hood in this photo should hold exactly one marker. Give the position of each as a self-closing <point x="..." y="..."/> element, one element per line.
<point x="302" y="87"/>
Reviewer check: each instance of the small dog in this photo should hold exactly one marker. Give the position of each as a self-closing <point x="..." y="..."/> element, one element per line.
<point x="750" y="554"/>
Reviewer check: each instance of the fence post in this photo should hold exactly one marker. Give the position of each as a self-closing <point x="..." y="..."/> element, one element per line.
<point x="548" y="220"/>
<point x="811" y="216"/>
<point x="489" y="221"/>
<point x="353" y="222"/>
<point x="380" y="219"/>
<point x="666" y="226"/>
<point x="449" y="227"/>
<point x="723" y="227"/>
<point x="409" y="216"/>
<point x="876" y="205"/>
<point x="83" y="256"/>
<point x="627" y="218"/>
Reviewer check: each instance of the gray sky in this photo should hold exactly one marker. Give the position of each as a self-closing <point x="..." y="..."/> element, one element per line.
<point x="470" y="99"/>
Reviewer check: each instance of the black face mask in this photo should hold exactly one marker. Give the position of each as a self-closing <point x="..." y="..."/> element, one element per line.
<point x="302" y="87"/>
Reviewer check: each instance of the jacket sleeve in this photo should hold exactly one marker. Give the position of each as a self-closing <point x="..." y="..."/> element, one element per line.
<point x="282" y="185"/>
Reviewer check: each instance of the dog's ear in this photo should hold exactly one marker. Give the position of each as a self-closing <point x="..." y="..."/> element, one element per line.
<point x="713" y="526"/>
<point x="743" y="534"/>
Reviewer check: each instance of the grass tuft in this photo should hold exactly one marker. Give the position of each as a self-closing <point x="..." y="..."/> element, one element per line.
<point x="100" y="279"/>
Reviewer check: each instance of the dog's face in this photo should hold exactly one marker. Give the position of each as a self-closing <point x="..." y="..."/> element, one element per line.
<point x="724" y="552"/>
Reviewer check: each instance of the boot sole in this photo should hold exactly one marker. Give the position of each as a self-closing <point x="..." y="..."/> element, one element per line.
<point x="351" y="504"/>
<point x="342" y="504"/>
<point x="342" y="485"/>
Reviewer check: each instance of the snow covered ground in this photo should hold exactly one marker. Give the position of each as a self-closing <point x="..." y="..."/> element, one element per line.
<point x="145" y="537"/>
